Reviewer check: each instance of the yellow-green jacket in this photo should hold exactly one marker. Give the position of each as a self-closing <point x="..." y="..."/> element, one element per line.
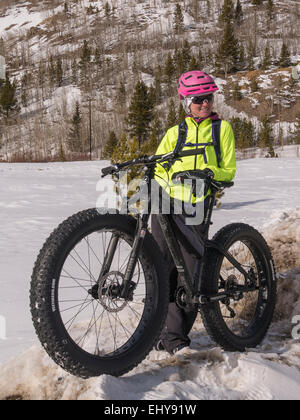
<point x="197" y="134"/>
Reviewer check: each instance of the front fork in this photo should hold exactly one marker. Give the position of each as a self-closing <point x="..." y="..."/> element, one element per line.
<point x="140" y="234"/>
<point x="125" y="290"/>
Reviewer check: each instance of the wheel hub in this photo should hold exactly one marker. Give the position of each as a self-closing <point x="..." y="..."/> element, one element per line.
<point x="108" y="291"/>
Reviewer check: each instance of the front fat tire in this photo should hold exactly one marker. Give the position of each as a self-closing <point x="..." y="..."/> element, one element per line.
<point x="211" y="313"/>
<point x="46" y="317"/>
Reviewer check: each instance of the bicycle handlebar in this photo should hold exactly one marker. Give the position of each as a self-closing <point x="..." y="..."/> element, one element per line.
<point x="148" y="160"/>
<point x="171" y="157"/>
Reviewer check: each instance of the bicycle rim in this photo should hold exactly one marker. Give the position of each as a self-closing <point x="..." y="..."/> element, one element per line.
<point x="243" y="314"/>
<point x="98" y="321"/>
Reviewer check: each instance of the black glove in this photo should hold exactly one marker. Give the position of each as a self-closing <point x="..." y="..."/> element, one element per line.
<point x="209" y="173"/>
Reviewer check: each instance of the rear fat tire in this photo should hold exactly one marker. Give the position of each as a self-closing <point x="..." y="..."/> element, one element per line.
<point x="211" y="313"/>
<point x="47" y="320"/>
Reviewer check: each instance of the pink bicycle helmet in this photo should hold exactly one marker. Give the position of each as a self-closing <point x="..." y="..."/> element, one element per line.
<point x="196" y="83"/>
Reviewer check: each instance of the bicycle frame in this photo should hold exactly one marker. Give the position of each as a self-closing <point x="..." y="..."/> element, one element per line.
<point x="192" y="286"/>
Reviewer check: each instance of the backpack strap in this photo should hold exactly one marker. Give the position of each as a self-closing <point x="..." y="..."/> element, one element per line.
<point x="216" y="135"/>
<point x="182" y="133"/>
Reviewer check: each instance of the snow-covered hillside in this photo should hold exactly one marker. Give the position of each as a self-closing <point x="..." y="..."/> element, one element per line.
<point x="34" y="198"/>
<point x="43" y="41"/>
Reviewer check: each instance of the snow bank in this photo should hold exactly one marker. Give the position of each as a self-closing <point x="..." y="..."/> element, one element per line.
<point x="205" y="374"/>
<point x="283" y="236"/>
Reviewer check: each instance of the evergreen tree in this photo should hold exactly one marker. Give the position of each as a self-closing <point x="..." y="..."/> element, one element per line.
<point x="243" y="141"/>
<point x="110" y="145"/>
<point x="181" y="113"/>
<point x="155" y="136"/>
<point x="227" y="12"/>
<point x="51" y="70"/>
<point x="208" y="8"/>
<point x="186" y="54"/>
<point x="75" y="138"/>
<point x="270" y="9"/>
<point x="74" y="70"/>
<point x="244" y="133"/>
<point x="107" y="10"/>
<point x="241" y="58"/>
<point x="127" y="149"/>
<point x="267" y="58"/>
<point x="59" y="72"/>
<point x="296" y="132"/>
<point x="169" y="69"/>
<point x="292" y="83"/>
<point x="120" y="153"/>
<point x="247" y="134"/>
<point x="85" y="54"/>
<point x="84" y="63"/>
<point x="237" y="95"/>
<point x="25" y="80"/>
<point x="8" y="101"/>
<point x="254" y="85"/>
<point x="41" y="75"/>
<point x="200" y="61"/>
<point x="250" y="56"/>
<point x="178" y="19"/>
<point x="236" y="124"/>
<point x="238" y="13"/>
<point x="2" y="47"/>
<point x="157" y="87"/>
<point x="152" y="95"/>
<point x="209" y="56"/>
<point x="265" y="137"/>
<point x="140" y="113"/>
<point x="228" y="51"/>
<point x="257" y="2"/>
<point x="61" y="153"/>
<point x="121" y="94"/>
<point x="172" y="117"/>
<point x="98" y="57"/>
<point x="285" y="57"/>
<point x="24" y="98"/>
<point x="180" y="63"/>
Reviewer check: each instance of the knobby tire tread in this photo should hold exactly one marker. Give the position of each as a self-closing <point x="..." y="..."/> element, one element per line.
<point x="215" y="326"/>
<point x="41" y="314"/>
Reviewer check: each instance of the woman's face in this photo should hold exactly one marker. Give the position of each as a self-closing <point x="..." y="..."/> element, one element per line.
<point x="202" y="111"/>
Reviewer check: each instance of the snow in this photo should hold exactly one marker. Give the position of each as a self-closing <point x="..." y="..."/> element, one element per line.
<point x="36" y="197"/>
<point x="62" y="97"/>
<point x="19" y="18"/>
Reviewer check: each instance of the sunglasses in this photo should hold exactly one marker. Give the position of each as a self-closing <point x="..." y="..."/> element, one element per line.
<point x="199" y="100"/>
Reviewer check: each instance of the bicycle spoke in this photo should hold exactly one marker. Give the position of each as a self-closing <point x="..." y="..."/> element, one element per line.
<point x="96" y="323"/>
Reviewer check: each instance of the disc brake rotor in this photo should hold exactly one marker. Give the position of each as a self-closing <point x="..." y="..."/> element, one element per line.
<point x="109" y="292"/>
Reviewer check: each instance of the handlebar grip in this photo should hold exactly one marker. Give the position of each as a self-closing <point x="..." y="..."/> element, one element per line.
<point x="109" y="170"/>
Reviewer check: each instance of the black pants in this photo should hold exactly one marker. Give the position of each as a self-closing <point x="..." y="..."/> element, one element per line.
<point x="179" y="321"/>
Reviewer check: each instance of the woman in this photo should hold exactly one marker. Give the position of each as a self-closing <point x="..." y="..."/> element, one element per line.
<point x="202" y="128"/>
